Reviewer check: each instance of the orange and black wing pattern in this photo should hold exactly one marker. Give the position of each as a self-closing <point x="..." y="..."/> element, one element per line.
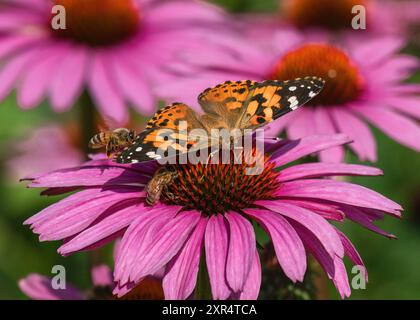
<point x="271" y="99"/>
<point x="162" y="136"/>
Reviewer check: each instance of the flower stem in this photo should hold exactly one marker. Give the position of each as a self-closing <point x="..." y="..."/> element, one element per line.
<point x="87" y="121"/>
<point x="202" y="291"/>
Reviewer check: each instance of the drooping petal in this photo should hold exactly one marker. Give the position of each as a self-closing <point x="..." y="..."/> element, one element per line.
<point x="34" y="83"/>
<point x="305" y="146"/>
<point x="358" y="216"/>
<point x="315" y="170"/>
<point x="310" y="220"/>
<point x="340" y="279"/>
<point x="104" y="90"/>
<point x="333" y="265"/>
<point x="134" y="87"/>
<point x="69" y="78"/>
<point x="252" y="285"/>
<point x="324" y="125"/>
<point x="352" y="253"/>
<point x="241" y="250"/>
<point x="325" y="209"/>
<point x="301" y="125"/>
<point x="398" y="127"/>
<point x="216" y="243"/>
<point x="39" y="287"/>
<point x="110" y="222"/>
<point x="363" y="144"/>
<point x="140" y="234"/>
<point x="338" y="191"/>
<point x="287" y="244"/>
<point x="181" y="275"/>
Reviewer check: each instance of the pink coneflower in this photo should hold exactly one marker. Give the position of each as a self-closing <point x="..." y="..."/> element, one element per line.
<point x="112" y="49"/>
<point x="383" y="17"/>
<point x="39" y="287"/>
<point x="364" y="82"/>
<point x="213" y="207"/>
<point x="45" y="149"/>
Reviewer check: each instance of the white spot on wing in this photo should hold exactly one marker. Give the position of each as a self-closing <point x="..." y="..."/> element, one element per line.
<point x="139" y="149"/>
<point x="293" y="88"/>
<point x="293" y="102"/>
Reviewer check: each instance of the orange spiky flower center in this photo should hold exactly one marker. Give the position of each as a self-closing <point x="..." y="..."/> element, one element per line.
<point x="343" y="80"/>
<point x="99" y="22"/>
<point x="330" y="14"/>
<point x="217" y="188"/>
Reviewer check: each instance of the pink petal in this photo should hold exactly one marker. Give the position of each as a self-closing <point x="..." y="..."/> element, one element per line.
<point x="107" y="224"/>
<point x="324" y="125"/>
<point x="14" y="68"/>
<point x="325" y="210"/>
<point x="35" y="81"/>
<point x="398" y="127"/>
<point x="134" y="86"/>
<point x="181" y="274"/>
<point x="104" y="90"/>
<point x="303" y="147"/>
<point x="102" y="276"/>
<point x="139" y="234"/>
<point x="287" y="244"/>
<point x="39" y="287"/>
<point x="79" y="216"/>
<point x="364" y="144"/>
<point x="351" y="252"/>
<point x="241" y="250"/>
<point x="315" y="170"/>
<point x="310" y="220"/>
<point x="408" y="105"/>
<point x="64" y="205"/>
<point x="252" y="285"/>
<point x="343" y="192"/>
<point x="333" y="266"/>
<point x="216" y="242"/>
<point x="13" y="43"/>
<point x="68" y="79"/>
<point x="91" y="176"/>
<point x="187" y="11"/>
<point x="341" y="280"/>
<point x="376" y="50"/>
<point x="301" y="125"/>
<point x="363" y="219"/>
<point x="163" y="245"/>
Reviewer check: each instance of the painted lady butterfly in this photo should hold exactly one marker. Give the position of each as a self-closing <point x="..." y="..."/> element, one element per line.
<point x="229" y="105"/>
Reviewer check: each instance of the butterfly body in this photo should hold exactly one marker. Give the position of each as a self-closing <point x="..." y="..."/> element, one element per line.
<point x="232" y="105"/>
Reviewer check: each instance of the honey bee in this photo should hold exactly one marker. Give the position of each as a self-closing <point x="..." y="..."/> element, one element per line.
<point x="160" y="181"/>
<point x="114" y="141"/>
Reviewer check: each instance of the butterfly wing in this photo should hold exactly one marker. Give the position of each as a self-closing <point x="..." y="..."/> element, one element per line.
<point x="271" y="99"/>
<point x="248" y="105"/>
<point x="163" y="135"/>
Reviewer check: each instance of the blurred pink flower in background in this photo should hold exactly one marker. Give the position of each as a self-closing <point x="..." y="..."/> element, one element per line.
<point x="112" y="49"/>
<point x="294" y="206"/>
<point x="47" y="148"/>
<point x="383" y="17"/>
<point x="39" y="287"/>
<point x="364" y="82"/>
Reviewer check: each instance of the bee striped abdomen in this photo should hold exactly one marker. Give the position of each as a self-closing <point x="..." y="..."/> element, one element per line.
<point x="99" y="140"/>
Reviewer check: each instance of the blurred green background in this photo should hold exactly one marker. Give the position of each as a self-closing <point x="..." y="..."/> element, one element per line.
<point x="393" y="265"/>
